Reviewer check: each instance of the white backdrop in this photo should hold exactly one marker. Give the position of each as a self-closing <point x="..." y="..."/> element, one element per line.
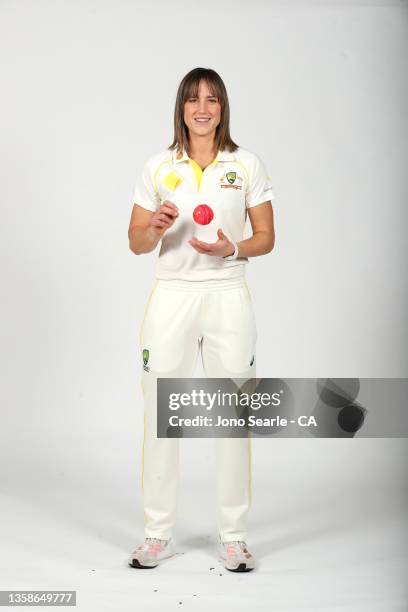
<point x="319" y="91"/>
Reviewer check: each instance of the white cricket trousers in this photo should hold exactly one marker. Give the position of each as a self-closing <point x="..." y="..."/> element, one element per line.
<point x="183" y="319"/>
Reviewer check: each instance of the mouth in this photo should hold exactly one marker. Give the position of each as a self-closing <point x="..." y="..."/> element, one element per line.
<point x="202" y="119"/>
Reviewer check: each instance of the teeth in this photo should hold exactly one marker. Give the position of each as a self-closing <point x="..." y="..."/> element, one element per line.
<point x="202" y="120"/>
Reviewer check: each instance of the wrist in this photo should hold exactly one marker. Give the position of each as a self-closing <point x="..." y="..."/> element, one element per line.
<point x="231" y="250"/>
<point x="234" y="254"/>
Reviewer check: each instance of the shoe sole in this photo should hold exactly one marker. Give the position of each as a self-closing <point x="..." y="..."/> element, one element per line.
<point x="242" y="567"/>
<point x="136" y="564"/>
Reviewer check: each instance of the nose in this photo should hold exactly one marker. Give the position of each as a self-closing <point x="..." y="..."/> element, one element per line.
<point x="202" y="105"/>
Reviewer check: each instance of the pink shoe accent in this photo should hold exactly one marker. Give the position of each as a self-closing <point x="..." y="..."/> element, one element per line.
<point x="154" y="549"/>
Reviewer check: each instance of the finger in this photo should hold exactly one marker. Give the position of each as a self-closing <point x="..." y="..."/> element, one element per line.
<point x="170" y="205"/>
<point x="168" y="210"/>
<point x="199" y="250"/>
<point x="205" y="245"/>
<point x="165" y="218"/>
<point x="158" y="220"/>
<point x="194" y="243"/>
<point x="197" y="241"/>
<point x="222" y="237"/>
<point x="198" y="246"/>
<point x="160" y="223"/>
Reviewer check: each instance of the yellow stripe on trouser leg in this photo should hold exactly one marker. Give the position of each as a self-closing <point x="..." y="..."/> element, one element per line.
<point x="249" y="433"/>
<point x="250" y="469"/>
<point x="141" y="384"/>
<point x="143" y="444"/>
<point x="145" y="517"/>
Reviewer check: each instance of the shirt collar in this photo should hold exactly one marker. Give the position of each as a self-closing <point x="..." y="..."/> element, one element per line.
<point x="221" y="156"/>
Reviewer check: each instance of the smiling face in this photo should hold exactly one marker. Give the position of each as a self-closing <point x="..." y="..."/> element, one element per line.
<point x="202" y="113"/>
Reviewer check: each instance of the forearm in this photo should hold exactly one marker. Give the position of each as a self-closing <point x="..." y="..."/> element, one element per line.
<point x="259" y="244"/>
<point x="143" y="239"/>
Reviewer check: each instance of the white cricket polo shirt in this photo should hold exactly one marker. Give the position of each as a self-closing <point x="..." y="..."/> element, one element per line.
<point x="232" y="183"/>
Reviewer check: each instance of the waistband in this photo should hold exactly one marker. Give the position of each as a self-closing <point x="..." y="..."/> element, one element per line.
<point x="208" y="285"/>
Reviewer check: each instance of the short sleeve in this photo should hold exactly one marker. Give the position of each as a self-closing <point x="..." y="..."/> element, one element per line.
<point x="145" y="193"/>
<point x="260" y="188"/>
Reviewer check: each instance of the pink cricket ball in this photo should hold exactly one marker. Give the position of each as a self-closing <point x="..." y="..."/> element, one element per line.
<point x="203" y="214"/>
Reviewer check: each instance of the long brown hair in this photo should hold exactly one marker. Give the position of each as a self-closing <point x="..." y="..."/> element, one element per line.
<point x="189" y="88"/>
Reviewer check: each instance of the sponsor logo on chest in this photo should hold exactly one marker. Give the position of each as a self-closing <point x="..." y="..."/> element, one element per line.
<point x="230" y="180"/>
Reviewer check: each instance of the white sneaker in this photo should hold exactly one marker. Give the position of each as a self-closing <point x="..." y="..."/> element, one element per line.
<point x="235" y="556"/>
<point x="148" y="554"/>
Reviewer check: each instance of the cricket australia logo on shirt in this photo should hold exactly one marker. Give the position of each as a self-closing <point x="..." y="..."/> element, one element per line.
<point x="145" y="360"/>
<point x="231" y="180"/>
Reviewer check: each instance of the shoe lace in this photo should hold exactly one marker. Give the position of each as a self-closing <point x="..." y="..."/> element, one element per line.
<point x="154" y="540"/>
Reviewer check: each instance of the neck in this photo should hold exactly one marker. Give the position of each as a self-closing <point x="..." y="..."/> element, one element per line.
<point x="202" y="146"/>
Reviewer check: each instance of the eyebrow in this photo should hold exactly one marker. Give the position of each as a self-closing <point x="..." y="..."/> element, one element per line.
<point x="213" y="96"/>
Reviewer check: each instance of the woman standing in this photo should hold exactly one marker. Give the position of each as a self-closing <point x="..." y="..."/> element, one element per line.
<point x="200" y="302"/>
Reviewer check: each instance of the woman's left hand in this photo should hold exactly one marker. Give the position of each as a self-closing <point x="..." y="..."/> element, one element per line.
<point x="222" y="248"/>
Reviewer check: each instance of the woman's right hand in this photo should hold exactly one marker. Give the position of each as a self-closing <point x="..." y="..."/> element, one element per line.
<point x="164" y="217"/>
